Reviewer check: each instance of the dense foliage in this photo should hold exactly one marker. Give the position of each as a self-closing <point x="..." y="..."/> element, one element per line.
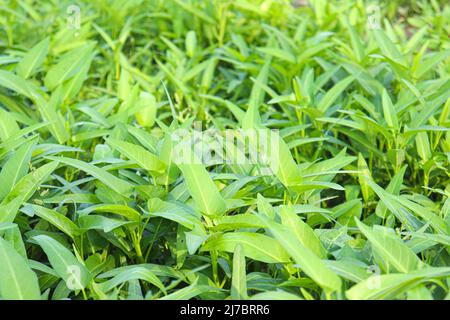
<point x="93" y="205"/>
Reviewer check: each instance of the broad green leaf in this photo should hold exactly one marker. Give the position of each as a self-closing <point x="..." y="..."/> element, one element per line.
<point x="189" y="292"/>
<point x="393" y="251"/>
<point x="33" y="59"/>
<point x="278" y="53"/>
<point x="173" y="212"/>
<point x="420" y="292"/>
<point x="119" y="185"/>
<point x="97" y="222"/>
<point x="282" y="163"/>
<point x="8" y="125"/>
<point x="60" y="221"/>
<point x="24" y="189"/>
<point x="16" y="167"/>
<point x="191" y="43"/>
<point x="134" y="273"/>
<point x="50" y="112"/>
<point x="394" y="188"/>
<point x="252" y="118"/>
<point x="303" y="232"/>
<point x="397" y="204"/>
<point x="156" y="269"/>
<point x="356" y="42"/>
<point x="330" y="97"/>
<point x="255" y="245"/>
<point x="238" y="221"/>
<point x="68" y="66"/>
<point x="138" y="154"/>
<point x="352" y="270"/>
<point x="390" y="286"/>
<point x="363" y="175"/>
<point x="273" y="153"/>
<point x="20" y="85"/>
<point x="238" y="278"/>
<point x="431" y="62"/>
<point x="72" y="86"/>
<point x="423" y="146"/>
<point x="311" y="264"/>
<point x="275" y="295"/>
<point x="73" y="272"/>
<point x="202" y="188"/>
<point x="195" y="11"/>
<point x="147" y="111"/>
<point x="390" y="114"/>
<point x="17" y="280"/>
<point x="265" y="208"/>
<point x="122" y="210"/>
<point x="387" y="47"/>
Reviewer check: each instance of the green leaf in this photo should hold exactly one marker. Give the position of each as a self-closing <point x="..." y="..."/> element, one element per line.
<point x="55" y="218"/>
<point x="8" y="125"/>
<point x="363" y="175"/>
<point x="16" y="167"/>
<point x="303" y="232"/>
<point x="430" y="63"/>
<point x="71" y="63"/>
<point x="238" y="221"/>
<point x="202" y="188"/>
<point x="189" y="292"/>
<point x="393" y="188"/>
<point x="33" y="59"/>
<point x="357" y="43"/>
<point x="255" y="245"/>
<point x="49" y="112"/>
<point x="97" y="222"/>
<point x="387" y="47"/>
<point x="191" y="43"/>
<point x="17" y="280"/>
<point x="119" y="185"/>
<point x="397" y="205"/>
<point x="171" y="211"/>
<point x="138" y="154"/>
<point x="278" y="53"/>
<point x="311" y="264"/>
<point x="392" y="250"/>
<point x="330" y="97"/>
<point x="390" y="114"/>
<point x="390" y="286"/>
<point x="282" y="162"/>
<point x="134" y="273"/>
<point x="122" y="210"/>
<point x="349" y="269"/>
<point x="252" y="118"/>
<point x="423" y="146"/>
<point x="20" y="85"/>
<point x="74" y="273"/>
<point x="24" y="189"/>
<point x="275" y="295"/>
<point x="239" y="278"/>
<point x="147" y="110"/>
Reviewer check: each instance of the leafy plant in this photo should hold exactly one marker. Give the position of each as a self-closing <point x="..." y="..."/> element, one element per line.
<point x="94" y="205"/>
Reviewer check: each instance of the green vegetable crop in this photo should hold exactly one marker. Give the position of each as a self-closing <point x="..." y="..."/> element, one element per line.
<point x="224" y="149"/>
